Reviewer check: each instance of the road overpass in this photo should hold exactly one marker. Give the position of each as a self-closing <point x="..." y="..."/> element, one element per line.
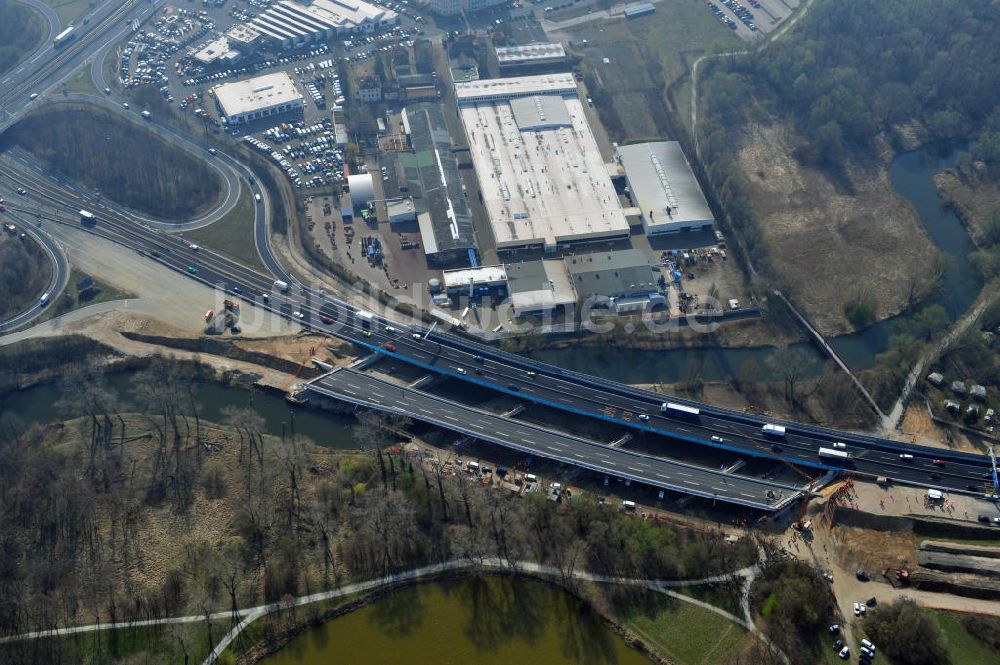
<point x="363" y="389"/>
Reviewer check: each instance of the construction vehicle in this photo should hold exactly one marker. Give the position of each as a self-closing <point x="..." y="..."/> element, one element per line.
<point x="902" y="575"/>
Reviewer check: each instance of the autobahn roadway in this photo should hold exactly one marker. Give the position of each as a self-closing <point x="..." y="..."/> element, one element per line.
<point x="562" y="389"/>
<point x="49" y="66"/>
<point x="60" y="271"/>
<point x="364" y="389"/>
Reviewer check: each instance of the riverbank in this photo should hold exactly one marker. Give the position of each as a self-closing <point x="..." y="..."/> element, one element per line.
<point x="974" y="195"/>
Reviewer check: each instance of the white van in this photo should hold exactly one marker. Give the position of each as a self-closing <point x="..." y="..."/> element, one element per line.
<point x="44" y="300"/>
<point x="906" y="456"/>
<point x="868" y="645"/>
<point x="473" y="467"/>
<point x="628" y="505"/>
<point x="530" y="478"/>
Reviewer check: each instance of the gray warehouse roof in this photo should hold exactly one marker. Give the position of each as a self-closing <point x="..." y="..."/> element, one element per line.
<point x="611" y="273"/>
<point x="432" y="175"/>
<point x="538" y="285"/>
<point x="664" y="187"/>
<point x="529" y="52"/>
<point x="540" y="112"/>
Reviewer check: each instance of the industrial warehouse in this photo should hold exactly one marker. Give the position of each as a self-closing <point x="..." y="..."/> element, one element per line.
<point x="542" y="178"/>
<point x="664" y="188"/>
<point x="291" y="24"/>
<point x="257" y="97"/>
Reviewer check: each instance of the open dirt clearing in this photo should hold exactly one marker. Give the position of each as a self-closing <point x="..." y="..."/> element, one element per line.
<point x="830" y="237"/>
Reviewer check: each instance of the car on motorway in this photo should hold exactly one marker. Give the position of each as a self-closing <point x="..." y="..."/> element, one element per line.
<point x="906" y="457"/>
<point x="192" y="270"/>
<point x="124" y="105"/>
<point x="513" y="386"/>
<point x="22" y="191"/>
<point x="935" y="476"/>
<point x="643" y="417"/>
<point x="461" y="371"/>
<point x="107" y="91"/>
<point x="389" y="346"/>
<point x="194" y="248"/>
<point x="937" y="462"/>
<point x="367" y="333"/>
<point x="326" y="319"/>
<point x="33" y="96"/>
<point x="298" y="315"/>
<point x="716" y="439"/>
<point x="237" y="290"/>
<point x="478" y="359"/>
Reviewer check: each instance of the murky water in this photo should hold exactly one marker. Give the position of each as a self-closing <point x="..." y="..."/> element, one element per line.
<point x="491" y="621"/>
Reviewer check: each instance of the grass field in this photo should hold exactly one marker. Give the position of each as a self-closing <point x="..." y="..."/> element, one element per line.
<point x="666" y="42"/>
<point x="70" y="10"/>
<point x="963" y="647"/>
<point x="153" y="644"/>
<point x="81" y="83"/>
<point x="233" y="234"/>
<point x="684" y="633"/>
<point x="71" y="299"/>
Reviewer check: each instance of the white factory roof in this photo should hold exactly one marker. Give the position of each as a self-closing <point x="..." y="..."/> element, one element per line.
<point x="481" y="275"/>
<point x="259" y="92"/>
<point x="541" y="185"/>
<point x="529" y="52"/>
<point x="660" y="177"/>
<point x="296" y="19"/>
<point x="519" y="86"/>
<point x="213" y="50"/>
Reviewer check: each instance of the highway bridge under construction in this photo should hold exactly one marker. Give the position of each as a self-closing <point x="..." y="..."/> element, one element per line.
<point x="366" y="390"/>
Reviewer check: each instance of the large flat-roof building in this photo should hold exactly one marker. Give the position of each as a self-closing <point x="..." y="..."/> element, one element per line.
<point x="430" y="175"/>
<point x="541" y="175"/>
<point x="525" y="56"/>
<point x="258" y="97"/>
<point x="627" y="278"/>
<point x="664" y="187"/>
<point x="290" y="23"/>
<point x="456" y="7"/>
<point x="539" y="286"/>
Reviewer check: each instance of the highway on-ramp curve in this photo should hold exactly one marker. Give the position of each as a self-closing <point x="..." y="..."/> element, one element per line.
<point x="370" y="391"/>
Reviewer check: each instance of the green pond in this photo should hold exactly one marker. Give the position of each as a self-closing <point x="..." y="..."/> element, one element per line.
<point x="493" y="620"/>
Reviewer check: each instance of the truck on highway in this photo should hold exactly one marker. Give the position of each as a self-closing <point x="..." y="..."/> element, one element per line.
<point x="773" y="430"/>
<point x="281" y="286"/>
<point x="833" y="452"/>
<point x="64" y="36"/>
<point x="364" y="317"/>
<point x="87" y="218"/>
<point x="680" y="410"/>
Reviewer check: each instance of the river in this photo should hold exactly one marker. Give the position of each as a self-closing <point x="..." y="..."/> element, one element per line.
<point x="489" y="621"/>
<point x="912" y="175"/>
<point x="40" y="404"/>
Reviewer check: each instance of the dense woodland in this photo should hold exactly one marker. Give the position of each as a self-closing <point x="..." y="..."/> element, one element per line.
<point x="131" y="516"/>
<point x="24" y="274"/>
<point x="847" y="74"/>
<point x="125" y="162"/>
<point x="853" y="70"/>
<point x="21" y="29"/>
